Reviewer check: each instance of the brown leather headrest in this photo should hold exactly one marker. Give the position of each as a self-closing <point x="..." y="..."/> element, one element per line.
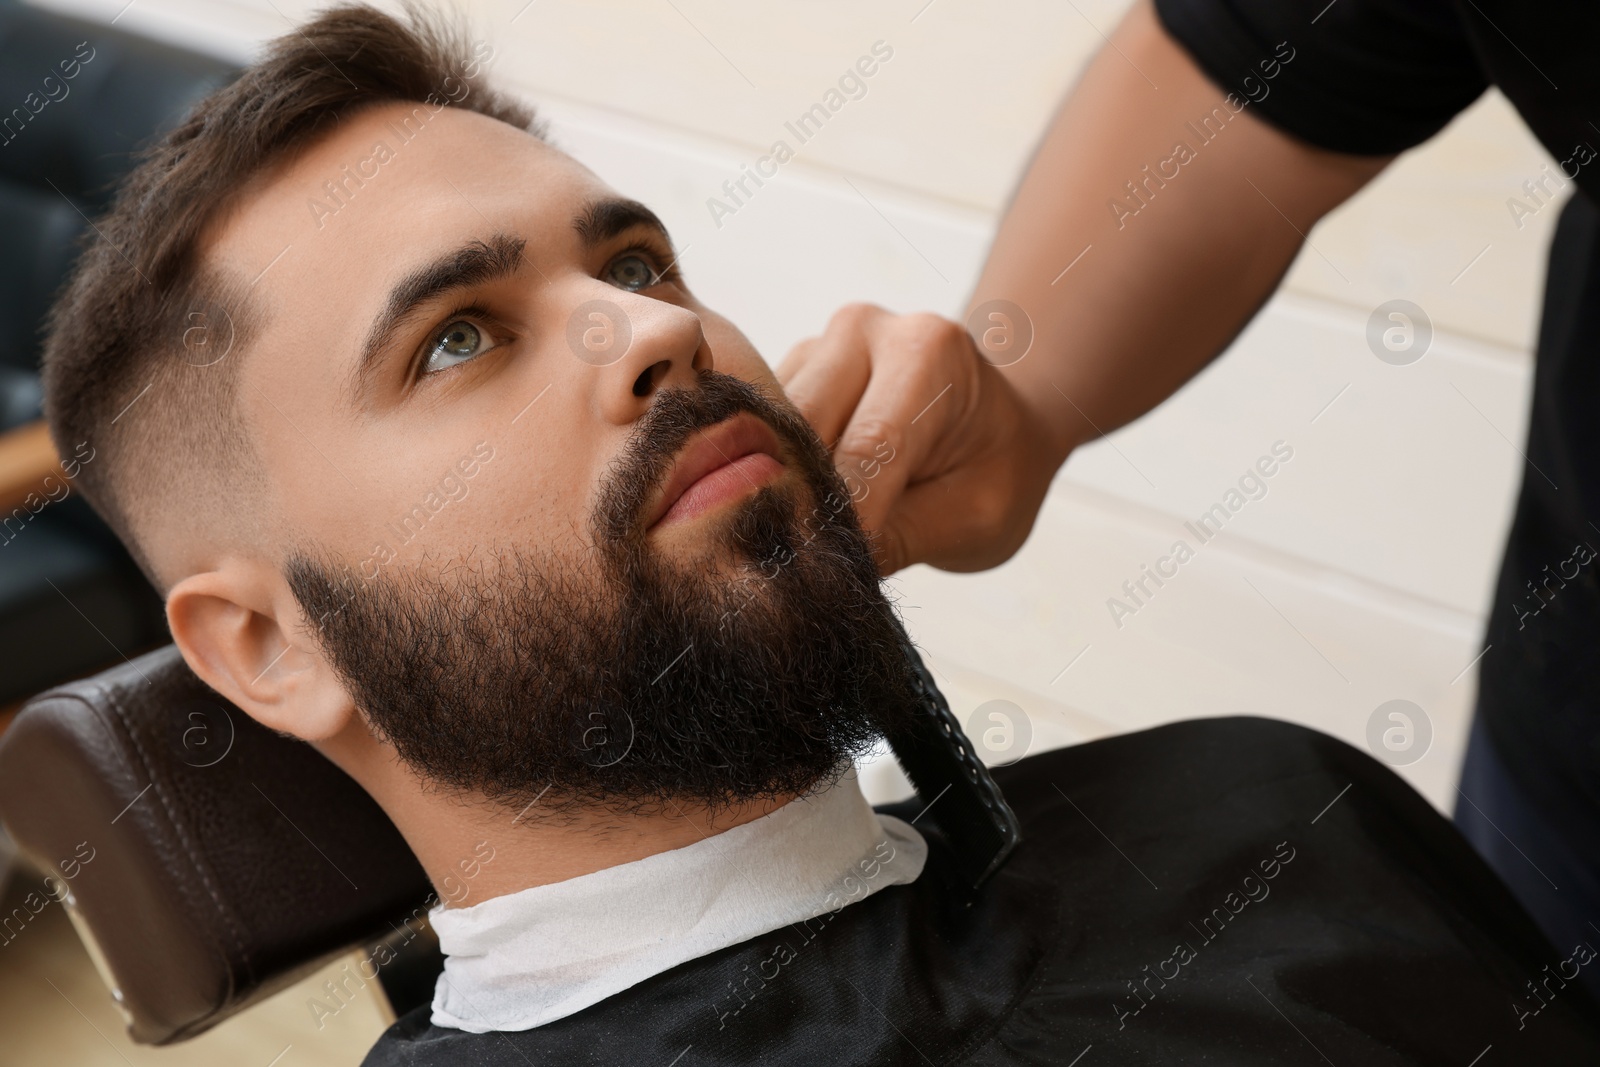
<point x="211" y="861"/>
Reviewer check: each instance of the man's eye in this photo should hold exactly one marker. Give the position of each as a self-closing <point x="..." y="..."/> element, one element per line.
<point x="632" y="271"/>
<point x="458" y="342"/>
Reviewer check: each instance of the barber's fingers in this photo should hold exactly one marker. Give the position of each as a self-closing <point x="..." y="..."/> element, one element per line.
<point x="825" y="376"/>
<point x="928" y="520"/>
<point x="922" y="380"/>
<point x="897" y="541"/>
<point x="974" y="516"/>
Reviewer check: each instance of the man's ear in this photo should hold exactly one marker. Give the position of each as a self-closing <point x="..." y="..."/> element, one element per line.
<point x="241" y="630"/>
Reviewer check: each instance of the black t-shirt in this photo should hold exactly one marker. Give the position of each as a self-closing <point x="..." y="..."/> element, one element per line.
<point x="1373" y="77"/>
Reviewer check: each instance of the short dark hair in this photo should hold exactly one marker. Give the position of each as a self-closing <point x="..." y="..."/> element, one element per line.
<point x="130" y="342"/>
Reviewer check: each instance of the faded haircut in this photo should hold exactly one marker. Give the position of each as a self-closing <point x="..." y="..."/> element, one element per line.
<point x="142" y="348"/>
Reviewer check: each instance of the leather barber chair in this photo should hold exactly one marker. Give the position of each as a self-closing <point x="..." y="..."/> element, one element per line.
<point x="206" y="861"/>
<point x="71" y="600"/>
<point x="229" y="861"/>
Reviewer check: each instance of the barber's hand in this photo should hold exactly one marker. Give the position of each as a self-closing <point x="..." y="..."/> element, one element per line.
<point x="944" y="461"/>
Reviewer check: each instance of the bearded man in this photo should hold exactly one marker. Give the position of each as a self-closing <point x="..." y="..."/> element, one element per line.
<point x="463" y="486"/>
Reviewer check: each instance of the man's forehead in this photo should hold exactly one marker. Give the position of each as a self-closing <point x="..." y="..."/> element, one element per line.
<point x="320" y="239"/>
<point x="388" y="185"/>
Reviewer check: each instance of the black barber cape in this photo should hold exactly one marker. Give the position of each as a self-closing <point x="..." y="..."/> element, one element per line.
<point x="1229" y="891"/>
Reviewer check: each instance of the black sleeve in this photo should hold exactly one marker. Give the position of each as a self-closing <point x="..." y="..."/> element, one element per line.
<point x="1367" y="77"/>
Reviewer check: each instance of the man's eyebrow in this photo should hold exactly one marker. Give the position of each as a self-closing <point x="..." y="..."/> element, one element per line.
<point x="474" y="263"/>
<point x="478" y="262"/>
<point x="602" y="220"/>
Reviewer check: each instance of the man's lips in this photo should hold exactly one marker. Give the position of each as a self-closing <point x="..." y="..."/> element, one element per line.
<point x="719" y="463"/>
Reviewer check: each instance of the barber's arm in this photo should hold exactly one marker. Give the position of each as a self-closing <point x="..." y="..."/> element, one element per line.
<point x="1124" y="308"/>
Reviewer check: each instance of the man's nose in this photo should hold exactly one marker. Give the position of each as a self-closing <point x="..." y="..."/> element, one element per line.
<point x="637" y="346"/>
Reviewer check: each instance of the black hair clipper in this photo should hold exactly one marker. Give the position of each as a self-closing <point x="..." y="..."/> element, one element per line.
<point x="953" y="784"/>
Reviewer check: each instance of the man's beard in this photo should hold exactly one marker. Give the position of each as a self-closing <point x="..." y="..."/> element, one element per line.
<point x="520" y="678"/>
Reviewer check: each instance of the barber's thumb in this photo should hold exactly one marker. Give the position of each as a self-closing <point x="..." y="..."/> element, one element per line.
<point x="922" y="527"/>
<point x="887" y="550"/>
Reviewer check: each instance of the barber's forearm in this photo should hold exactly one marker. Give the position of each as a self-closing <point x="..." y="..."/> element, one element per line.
<point x="1127" y="307"/>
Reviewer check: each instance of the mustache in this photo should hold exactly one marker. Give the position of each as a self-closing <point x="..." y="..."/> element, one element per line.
<point x="660" y="434"/>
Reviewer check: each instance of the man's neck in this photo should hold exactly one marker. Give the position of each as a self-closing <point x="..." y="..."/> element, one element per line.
<point x="474" y="850"/>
